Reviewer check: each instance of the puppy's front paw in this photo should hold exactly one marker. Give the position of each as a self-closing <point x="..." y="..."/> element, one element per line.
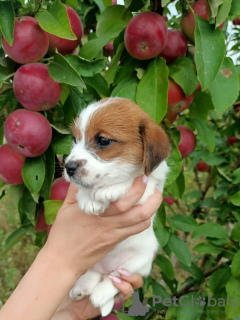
<point x="103" y="296"/>
<point x="85" y="284"/>
<point x="112" y="193"/>
<point x="92" y="206"/>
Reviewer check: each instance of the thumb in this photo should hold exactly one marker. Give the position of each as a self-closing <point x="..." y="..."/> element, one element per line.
<point x="71" y="195"/>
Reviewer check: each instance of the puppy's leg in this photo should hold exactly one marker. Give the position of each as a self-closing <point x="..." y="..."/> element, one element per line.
<point x="103" y="295"/>
<point x="112" y="193"/>
<point x="85" y="285"/>
<point x="88" y="204"/>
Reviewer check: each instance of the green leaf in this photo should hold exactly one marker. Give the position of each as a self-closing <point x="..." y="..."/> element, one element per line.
<point x="62" y="144"/>
<point x="210" y="51"/>
<point x="225" y="87"/>
<point x="223" y="12"/>
<point x="100" y="5"/>
<point x="161" y="231"/>
<point x="51" y="208"/>
<point x="111" y="16"/>
<point x="214" y="4"/>
<point x="180" y="182"/>
<point x="152" y="90"/>
<point x="159" y="290"/>
<point x="219" y="279"/>
<point x="212" y="230"/>
<point x="73" y="106"/>
<point x="165" y="266"/>
<point x="126" y="89"/>
<point x="235" y="235"/>
<point x="233" y="290"/>
<point x="205" y="132"/>
<point x="182" y="71"/>
<point x="213" y="159"/>
<point x="55" y="21"/>
<point x="180" y="249"/>
<point x="7" y="19"/>
<point x="27" y="207"/>
<point x="235" y="199"/>
<point x="62" y="71"/>
<point x="185" y="308"/>
<point x="15" y="237"/>
<point x="8" y="102"/>
<point x="111" y="72"/>
<point x="135" y="5"/>
<point x="236" y="176"/>
<point x="195" y="271"/>
<point x="98" y="83"/>
<point x="86" y="68"/>
<point x="235" y="8"/>
<point x="207" y="248"/>
<point x="201" y="105"/>
<point x="184" y="223"/>
<point x="33" y="173"/>
<point x="174" y="162"/>
<point x="50" y="168"/>
<point x="235" y="267"/>
<point x="106" y="30"/>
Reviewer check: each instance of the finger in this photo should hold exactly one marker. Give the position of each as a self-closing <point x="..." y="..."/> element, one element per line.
<point x="137" y="214"/>
<point x="133" y="195"/>
<point x="134" y="279"/>
<point x="124" y="287"/>
<point x="71" y="195"/>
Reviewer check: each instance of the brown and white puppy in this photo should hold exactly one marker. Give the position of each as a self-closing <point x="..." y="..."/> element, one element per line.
<point x="116" y="141"/>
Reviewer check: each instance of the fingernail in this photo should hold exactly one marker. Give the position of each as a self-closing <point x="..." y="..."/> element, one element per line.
<point x="115" y="279"/>
<point x="124" y="272"/>
<point x="157" y="187"/>
<point x="145" y="179"/>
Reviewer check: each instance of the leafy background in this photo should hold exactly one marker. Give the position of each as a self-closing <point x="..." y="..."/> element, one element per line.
<point x="200" y="233"/>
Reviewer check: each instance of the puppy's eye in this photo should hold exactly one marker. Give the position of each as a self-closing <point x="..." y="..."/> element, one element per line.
<point x="104" y="142"/>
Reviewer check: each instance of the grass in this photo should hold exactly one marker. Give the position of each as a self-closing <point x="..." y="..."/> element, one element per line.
<point x="14" y="263"/>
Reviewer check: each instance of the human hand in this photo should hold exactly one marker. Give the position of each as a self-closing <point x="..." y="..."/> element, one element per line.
<point x="83" y="309"/>
<point x="77" y="240"/>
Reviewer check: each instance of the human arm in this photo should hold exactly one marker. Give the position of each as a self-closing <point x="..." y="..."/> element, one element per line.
<point x="76" y="242"/>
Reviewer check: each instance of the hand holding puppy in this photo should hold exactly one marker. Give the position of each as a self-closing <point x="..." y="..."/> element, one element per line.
<point x="78" y="240"/>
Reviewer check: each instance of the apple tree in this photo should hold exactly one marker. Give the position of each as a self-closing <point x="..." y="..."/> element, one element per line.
<point x="173" y="58"/>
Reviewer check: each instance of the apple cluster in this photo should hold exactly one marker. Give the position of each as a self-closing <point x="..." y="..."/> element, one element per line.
<point x="27" y="131"/>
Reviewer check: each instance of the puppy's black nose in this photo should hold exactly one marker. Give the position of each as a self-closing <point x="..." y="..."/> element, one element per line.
<point x="71" y="168"/>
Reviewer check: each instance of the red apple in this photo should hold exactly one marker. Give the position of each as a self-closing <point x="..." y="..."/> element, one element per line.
<point x="146" y="35"/>
<point x="171" y="115"/>
<point x="175" y="96"/>
<point x="11" y="164"/>
<point x="176" y="46"/>
<point x="202" y="166"/>
<point x="65" y="46"/>
<point x="114" y="2"/>
<point x="108" y="49"/>
<point x="41" y="221"/>
<point x="169" y="200"/>
<point x="34" y="88"/>
<point x="187" y="23"/>
<point x="236" y="21"/>
<point x="59" y="189"/>
<point x="232" y="140"/>
<point x="187" y="141"/>
<point x="30" y="41"/>
<point x="28" y="133"/>
<point x="118" y="305"/>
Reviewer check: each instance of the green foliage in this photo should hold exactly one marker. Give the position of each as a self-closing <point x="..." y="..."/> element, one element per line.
<point x="199" y="234"/>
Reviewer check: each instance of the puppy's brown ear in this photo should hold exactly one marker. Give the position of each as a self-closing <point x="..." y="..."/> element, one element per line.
<point x="156" y="145"/>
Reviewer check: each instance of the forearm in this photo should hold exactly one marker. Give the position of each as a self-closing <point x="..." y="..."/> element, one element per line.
<point x="41" y="290"/>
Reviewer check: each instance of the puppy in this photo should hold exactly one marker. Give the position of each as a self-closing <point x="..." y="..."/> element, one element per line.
<point x="115" y="142"/>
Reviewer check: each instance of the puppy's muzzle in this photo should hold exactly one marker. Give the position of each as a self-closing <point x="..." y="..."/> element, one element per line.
<point x="71" y="168"/>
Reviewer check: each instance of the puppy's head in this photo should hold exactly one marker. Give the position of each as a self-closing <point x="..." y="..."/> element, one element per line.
<point x="114" y="140"/>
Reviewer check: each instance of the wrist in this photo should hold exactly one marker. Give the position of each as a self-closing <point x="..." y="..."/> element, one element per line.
<point x="58" y="261"/>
